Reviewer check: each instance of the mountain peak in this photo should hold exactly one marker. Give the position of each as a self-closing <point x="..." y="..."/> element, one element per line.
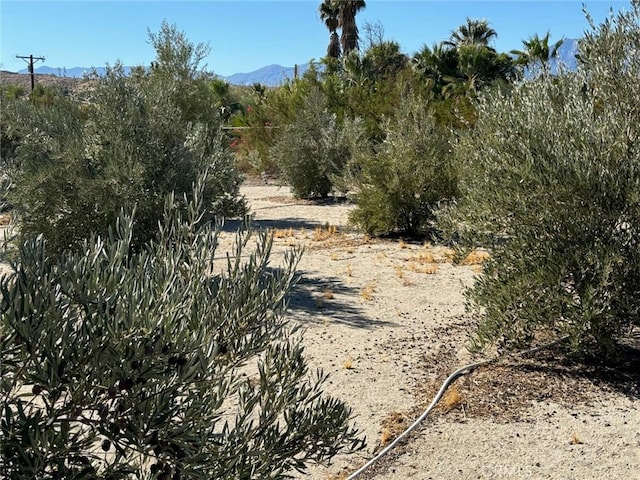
<point x="271" y="75"/>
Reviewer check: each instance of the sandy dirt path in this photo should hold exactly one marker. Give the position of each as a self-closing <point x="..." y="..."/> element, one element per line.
<point x="386" y="320"/>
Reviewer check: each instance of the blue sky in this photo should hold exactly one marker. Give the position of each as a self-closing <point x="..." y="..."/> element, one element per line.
<point x="245" y="35"/>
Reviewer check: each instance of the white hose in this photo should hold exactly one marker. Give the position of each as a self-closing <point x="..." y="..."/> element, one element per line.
<point x="465" y="369"/>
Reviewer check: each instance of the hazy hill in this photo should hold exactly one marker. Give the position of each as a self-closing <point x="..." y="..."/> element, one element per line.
<point x="75" y="72"/>
<point x="48" y="80"/>
<point x="274" y="75"/>
<point x="271" y="75"/>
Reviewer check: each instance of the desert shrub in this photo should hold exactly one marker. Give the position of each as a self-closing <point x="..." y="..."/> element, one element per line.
<point x="402" y="182"/>
<point x="552" y="180"/>
<point x="139" y="138"/>
<point x="46" y="95"/>
<point x="255" y="135"/>
<point x="27" y="134"/>
<point x="160" y="363"/>
<point x="10" y="91"/>
<point x="313" y="149"/>
<point x="10" y="136"/>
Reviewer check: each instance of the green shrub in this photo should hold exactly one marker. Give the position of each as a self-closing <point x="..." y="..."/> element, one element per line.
<point x="158" y="364"/>
<point x="313" y="149"/>
<point x="552" y="179"/>
<point x="139" y="138"/>
<point x="410" y="173"/>
<point x="43" y="95"/>
<point x="12" y="92"/>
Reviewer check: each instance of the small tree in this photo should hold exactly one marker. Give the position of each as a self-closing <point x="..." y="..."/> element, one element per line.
<point x="552" y="171"/>
<point x="139" y="138"/>
<point x="401" y="184"/>
<point x="313" y="149"/>
<point x="158" y="364"/>
<point x="11" y="91"/>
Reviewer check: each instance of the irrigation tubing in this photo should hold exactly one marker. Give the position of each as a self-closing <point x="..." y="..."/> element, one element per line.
<point x="460" y="371"/>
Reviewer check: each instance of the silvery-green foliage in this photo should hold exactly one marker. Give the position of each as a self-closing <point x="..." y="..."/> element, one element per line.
<point x="353" y="137"/>
<point x="551" y="179"/>
<point x="163" y="363"/>
<point x="312" y="150"/>
<point x="402" y="182"/>
<point x="5" y="185"/>
<point x="137" y="138"/>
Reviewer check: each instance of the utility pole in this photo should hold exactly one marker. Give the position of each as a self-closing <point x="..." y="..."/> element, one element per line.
<point x="31" y="58"/>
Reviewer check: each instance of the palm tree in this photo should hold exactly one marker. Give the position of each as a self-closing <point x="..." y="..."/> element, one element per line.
<point x="347" y="22"/>
<point x="537" y="51"/>
<point x="473" y="32"/>
<point x="385" y="59"/>
<point x="329" y="11"/>
<point x="436" y="63"/>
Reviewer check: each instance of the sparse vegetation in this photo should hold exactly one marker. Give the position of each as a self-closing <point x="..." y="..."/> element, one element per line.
<point x="476" y="257"/>
<point x="575" y="440"/>
<point x="119" y="334"/>
<point x="392" y="426"/>
<point x="422" y="268"/>
<point x="451" y="399"/>
<point x="367" y="291"/>
<point x="320" y="234"/>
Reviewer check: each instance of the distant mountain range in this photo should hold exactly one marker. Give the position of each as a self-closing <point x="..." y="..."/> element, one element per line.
<point x="75" y="72"/>
<point x="274" y="75"/>
<point x="271" y="75"/>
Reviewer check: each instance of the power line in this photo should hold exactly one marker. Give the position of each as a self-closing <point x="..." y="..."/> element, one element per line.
<point x="31" y="58"/>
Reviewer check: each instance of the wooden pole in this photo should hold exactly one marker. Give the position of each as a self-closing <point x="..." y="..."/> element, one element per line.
<point x="31" y="58"/>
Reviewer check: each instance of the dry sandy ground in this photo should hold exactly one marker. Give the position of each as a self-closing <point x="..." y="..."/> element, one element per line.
<point x="386" y="320"/>
<point x="4" y="225"/>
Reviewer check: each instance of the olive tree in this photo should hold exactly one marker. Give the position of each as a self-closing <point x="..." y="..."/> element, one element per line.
<point x="312" y="151"/>
<point x="551" y="180"/>
<point x="138" y="138"/>
<point x="403" y="180"/>
<point x="162" y="363"/>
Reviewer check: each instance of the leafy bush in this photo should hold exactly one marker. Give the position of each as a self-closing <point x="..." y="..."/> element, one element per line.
<point x="313" y="149"/>
<point x="552" y="171"/>
<point x="142" y="136"/>
<point x="46" y="95"/>
<point x="409" y="174"/>
<point x="152" y="365"/>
